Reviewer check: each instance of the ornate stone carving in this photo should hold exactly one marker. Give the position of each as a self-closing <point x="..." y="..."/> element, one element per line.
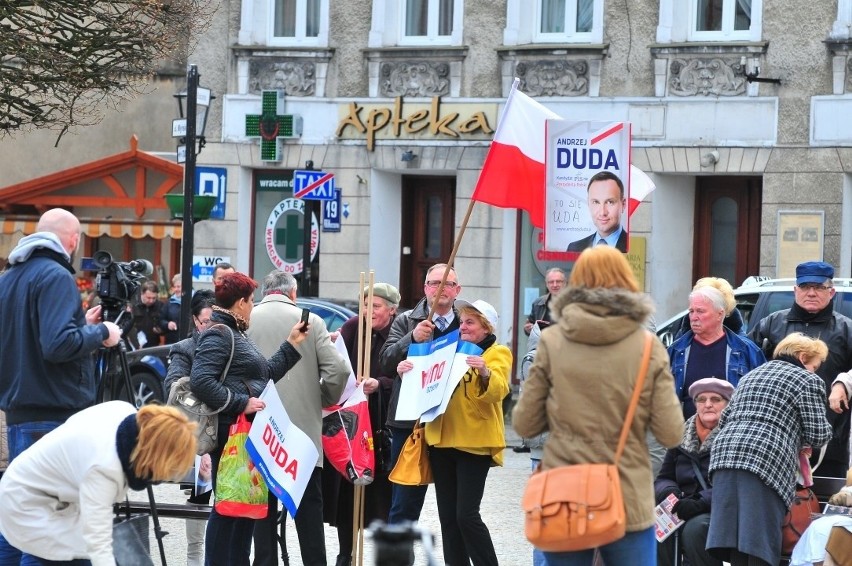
<point x="406" y="78"/>
<point x="294" y="78"/>
<point x="554" y="78"/>
<point x="706" y="77"/>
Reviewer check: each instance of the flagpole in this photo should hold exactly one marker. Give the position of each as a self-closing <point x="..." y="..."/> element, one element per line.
<point x="463" y="226"/>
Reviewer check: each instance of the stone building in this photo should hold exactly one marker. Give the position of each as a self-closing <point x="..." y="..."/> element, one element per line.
<point x="737" y="110"/>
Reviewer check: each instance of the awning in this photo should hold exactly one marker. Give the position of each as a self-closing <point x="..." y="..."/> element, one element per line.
<point x="112" y="228"/>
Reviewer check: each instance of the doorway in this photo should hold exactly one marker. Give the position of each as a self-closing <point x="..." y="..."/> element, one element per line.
<point x="727" y="228"/>
<point x="428" y="227"/>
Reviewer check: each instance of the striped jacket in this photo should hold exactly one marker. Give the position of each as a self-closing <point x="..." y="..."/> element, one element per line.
<point x="777" y="408"/>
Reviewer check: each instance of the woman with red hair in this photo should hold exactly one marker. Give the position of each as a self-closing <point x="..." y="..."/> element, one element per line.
<point x="228" y="539"/>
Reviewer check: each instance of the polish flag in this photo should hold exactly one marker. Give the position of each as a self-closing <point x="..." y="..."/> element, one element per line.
<point x="513" y="173"/>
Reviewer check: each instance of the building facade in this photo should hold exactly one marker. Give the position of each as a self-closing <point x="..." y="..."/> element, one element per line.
<point x="738" y="111"/>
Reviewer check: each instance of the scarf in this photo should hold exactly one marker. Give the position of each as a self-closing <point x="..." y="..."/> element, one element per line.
<point x="126" y="438"/>
<point x="701" y="431"/>
<point x="242" y="323"/>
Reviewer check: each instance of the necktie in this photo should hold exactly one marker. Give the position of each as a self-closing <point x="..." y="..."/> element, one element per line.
<point x="601" y="243"/>
<point x="441" y="323"/>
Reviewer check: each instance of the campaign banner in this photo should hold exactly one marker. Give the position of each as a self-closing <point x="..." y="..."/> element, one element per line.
<point x="282" y="452"/>
<point x="423" y="387"/>
<point x="587" y="185"/>
<point x="457" y="371"/>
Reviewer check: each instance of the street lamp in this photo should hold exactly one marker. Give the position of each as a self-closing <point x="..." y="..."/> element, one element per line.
<point x="197" y="102"/>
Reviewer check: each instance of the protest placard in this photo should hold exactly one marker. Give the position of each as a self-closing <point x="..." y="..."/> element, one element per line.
<point x="423" y="387"/>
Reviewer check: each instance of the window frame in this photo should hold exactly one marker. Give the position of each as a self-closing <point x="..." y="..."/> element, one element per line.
<point x="300" y="39"/>
<point x="574" y="36"/>
<point x="523" y="25"/>
<point x="431" y="37"/>
<point x="727" y="33"/>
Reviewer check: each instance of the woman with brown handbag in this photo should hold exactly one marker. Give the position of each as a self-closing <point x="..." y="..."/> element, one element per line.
<point x="581" y="384"/>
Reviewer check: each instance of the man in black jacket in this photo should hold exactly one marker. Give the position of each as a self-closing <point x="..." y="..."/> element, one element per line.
<point x="46" y="340"/>
<point x="412" y="326"/>
<point x="813" y="314"/>
<point x="555" y="280"/>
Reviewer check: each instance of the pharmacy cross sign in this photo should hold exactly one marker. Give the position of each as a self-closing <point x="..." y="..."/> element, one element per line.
<point x="271" y="125"/>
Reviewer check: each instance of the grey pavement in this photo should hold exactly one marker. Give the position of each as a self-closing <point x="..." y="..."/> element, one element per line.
<point x="501" y="512"/>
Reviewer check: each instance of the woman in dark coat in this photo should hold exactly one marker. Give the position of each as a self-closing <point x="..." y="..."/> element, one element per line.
<point x="685" y="474"/>
<point x="777" y="412"/>
<point x="337" y="492"/>
<point x="228" y="539"/>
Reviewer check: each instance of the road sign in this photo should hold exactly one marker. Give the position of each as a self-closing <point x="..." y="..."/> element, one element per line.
<point x="212" y="181"/>
<point x="203" y="266"/>
<point x="313" y="185"/>
<point x="331" y="213"/>
<point x="181" y="154"/>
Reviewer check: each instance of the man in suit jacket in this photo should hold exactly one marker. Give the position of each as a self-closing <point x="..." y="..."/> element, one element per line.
<point x="606" y="206"/>
<point x="317" y="381"/>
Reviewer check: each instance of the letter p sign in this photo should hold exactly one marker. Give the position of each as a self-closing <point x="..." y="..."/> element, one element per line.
<point x="212" y="181"/>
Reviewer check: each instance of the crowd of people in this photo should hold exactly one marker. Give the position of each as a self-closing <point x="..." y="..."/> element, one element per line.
<point x="737" y="429"/>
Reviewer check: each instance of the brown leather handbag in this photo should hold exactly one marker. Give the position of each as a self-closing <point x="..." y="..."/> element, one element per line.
<point x="579" y="507"/>
<point x="798" y="518"/>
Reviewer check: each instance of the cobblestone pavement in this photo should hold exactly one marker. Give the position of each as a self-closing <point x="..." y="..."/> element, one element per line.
<point x="500" y="511"/>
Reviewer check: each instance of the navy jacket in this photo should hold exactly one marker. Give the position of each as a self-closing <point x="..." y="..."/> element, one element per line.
<point x="46" y="347"/>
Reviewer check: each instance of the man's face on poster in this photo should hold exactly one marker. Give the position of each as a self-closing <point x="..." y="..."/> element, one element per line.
<point x="606" y="206"/>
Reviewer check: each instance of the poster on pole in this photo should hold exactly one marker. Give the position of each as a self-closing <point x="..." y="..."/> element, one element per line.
<point x="423" y="387"/>
<point x="587" y="172"/>
<point x="281" y="451"/>
<point x="457" y="371"/>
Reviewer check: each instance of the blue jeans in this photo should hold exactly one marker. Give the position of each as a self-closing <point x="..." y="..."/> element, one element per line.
<point x="639" y="547"/>
<point x="538" y="555"/>
<point x="20" y="437"/>
<point x="406" y="500"/>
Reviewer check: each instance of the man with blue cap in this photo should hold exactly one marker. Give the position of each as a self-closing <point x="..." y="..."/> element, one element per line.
<point x="813" y="314"/>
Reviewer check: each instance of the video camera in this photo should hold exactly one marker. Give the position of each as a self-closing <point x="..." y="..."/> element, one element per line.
<point x="117" y="281"/>
<point x="394" y="544"/>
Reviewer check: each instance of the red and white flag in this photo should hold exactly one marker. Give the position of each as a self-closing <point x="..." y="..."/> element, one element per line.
<point x="513" y="175"/>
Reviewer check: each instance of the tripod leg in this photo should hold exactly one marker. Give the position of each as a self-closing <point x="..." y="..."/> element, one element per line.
<point x="160" y="533"/>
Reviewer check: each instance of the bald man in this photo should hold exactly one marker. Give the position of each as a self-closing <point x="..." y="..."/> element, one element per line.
<point x="46" y="340"/>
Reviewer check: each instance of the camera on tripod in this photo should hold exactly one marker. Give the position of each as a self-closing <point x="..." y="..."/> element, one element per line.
<point x="394" y="544"/>
<point x="117" y="281"/>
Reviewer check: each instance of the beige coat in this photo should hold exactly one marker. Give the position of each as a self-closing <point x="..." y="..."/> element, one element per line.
<point x="318" y="379"/>
<point x="580" y="384"/>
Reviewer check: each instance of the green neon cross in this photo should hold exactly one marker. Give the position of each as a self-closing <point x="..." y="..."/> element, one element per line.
<point x="270" y="125"/>
<point x="292" y="245"/>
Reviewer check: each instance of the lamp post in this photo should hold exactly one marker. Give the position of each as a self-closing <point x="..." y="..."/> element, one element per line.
<point x="195" y="97"/>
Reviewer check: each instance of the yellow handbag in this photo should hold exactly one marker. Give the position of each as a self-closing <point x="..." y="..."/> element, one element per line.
<point x="412" y="466"/>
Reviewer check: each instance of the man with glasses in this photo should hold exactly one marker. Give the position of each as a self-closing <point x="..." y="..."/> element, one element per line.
<point x="412" y="326"/>
<point x="813" y="314"/>
<point x="554" y="278"/>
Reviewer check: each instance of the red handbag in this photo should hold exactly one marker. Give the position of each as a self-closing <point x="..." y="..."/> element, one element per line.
<point x="798" y="518"/>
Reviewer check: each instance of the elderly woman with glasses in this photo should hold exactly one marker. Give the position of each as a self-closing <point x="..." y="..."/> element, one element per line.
<point x="685" y="473"/>
<point x="777" y="413"/>
<point x="708" y="348"/>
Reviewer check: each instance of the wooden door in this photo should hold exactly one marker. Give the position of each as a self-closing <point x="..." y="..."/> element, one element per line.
<point x="727" y="228"/>
<point x="428" y="228"/>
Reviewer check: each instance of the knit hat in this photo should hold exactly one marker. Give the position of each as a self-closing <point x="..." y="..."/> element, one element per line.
<point x="711" y="385"/>
<point x="384" y="290"/>
<point x="485" y="309"/>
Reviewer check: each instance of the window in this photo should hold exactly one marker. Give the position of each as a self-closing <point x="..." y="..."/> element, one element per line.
<point x="299" y="22"/>
<point x="553" y="21"/>
<point x="561" y="20"/>
<point x="721" y="19"/>
<point x="710" y="20"/>
<point x="427" y="21"/>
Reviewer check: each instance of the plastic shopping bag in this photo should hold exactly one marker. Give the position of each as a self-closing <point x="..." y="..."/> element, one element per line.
<point x="240" y="489"/>
<point x="347" y="438"/>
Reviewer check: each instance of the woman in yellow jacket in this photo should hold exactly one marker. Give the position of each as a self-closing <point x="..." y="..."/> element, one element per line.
<point x="468" y="439"/>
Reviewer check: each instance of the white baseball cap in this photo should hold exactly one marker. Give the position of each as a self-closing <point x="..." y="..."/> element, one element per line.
<point x="489" y="312"/>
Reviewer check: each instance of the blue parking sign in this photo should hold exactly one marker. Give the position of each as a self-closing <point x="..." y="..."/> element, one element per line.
<point x="331" y="213"/>
<point x="213" y="181"/>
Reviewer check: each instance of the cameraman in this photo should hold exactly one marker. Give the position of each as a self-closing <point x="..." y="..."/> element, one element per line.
<point x="146" y="317"/>
<point x="46" y="340"/>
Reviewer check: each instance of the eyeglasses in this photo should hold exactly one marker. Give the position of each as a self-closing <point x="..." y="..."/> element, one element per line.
<point x="816" y="287"/>
<point x="702" y="399"/>
<point x="448" y="284"/>
<point x="203" y="321"/>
